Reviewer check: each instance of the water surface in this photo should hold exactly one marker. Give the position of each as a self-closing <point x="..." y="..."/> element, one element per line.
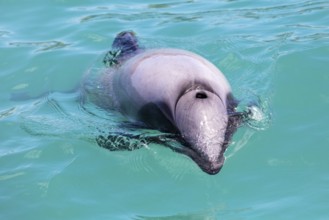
<point x="51" y="166"/>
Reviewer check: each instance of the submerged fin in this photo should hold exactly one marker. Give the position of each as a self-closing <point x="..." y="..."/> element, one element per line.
<point x="124" y="46"/>
<point x="119" y="141"/>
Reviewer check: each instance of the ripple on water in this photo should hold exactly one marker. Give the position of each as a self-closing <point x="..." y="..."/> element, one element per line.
<point x="53" y="115"/>
<point x="177" y="165"/>
<point x="41" y="45"/>
<point x="140" y="161"/>
<point x="157" y="158"/>
<point x="237" y="145"/>
<point x="4" y="33"/>
<point x="8" y="112"/>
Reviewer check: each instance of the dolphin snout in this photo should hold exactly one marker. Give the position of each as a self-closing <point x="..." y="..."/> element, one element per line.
<point x="212" y="167"/>
<point x="215" y="168"/>
<point x="208" y="164"/>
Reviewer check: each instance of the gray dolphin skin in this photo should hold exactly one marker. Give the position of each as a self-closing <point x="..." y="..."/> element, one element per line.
<point x="175" y="91"/>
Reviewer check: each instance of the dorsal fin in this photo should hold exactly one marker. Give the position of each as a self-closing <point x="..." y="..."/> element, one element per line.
<point x="124" y="46"/>
<point x="126" y="41"/>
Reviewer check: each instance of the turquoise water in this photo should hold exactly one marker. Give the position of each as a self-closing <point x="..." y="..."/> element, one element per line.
<point x="51" y="167"/>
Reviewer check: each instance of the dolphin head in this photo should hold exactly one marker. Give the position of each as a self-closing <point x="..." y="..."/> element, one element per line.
<point x="201" y="118"/>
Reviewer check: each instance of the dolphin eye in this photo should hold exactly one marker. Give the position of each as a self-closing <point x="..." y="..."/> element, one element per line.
<point x="201" y="95"/>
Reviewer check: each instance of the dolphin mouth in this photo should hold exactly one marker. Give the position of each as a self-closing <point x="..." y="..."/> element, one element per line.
<point x="211" y="167"/>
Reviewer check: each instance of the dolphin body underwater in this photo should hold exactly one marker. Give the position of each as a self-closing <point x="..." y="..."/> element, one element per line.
<point x="173" y="91"/>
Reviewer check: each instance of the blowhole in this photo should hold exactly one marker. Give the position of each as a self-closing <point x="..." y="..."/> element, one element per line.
<point x="201" y="95"/>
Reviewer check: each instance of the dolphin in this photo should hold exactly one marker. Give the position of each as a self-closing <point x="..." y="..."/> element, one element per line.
<point x="175" y="91"/>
